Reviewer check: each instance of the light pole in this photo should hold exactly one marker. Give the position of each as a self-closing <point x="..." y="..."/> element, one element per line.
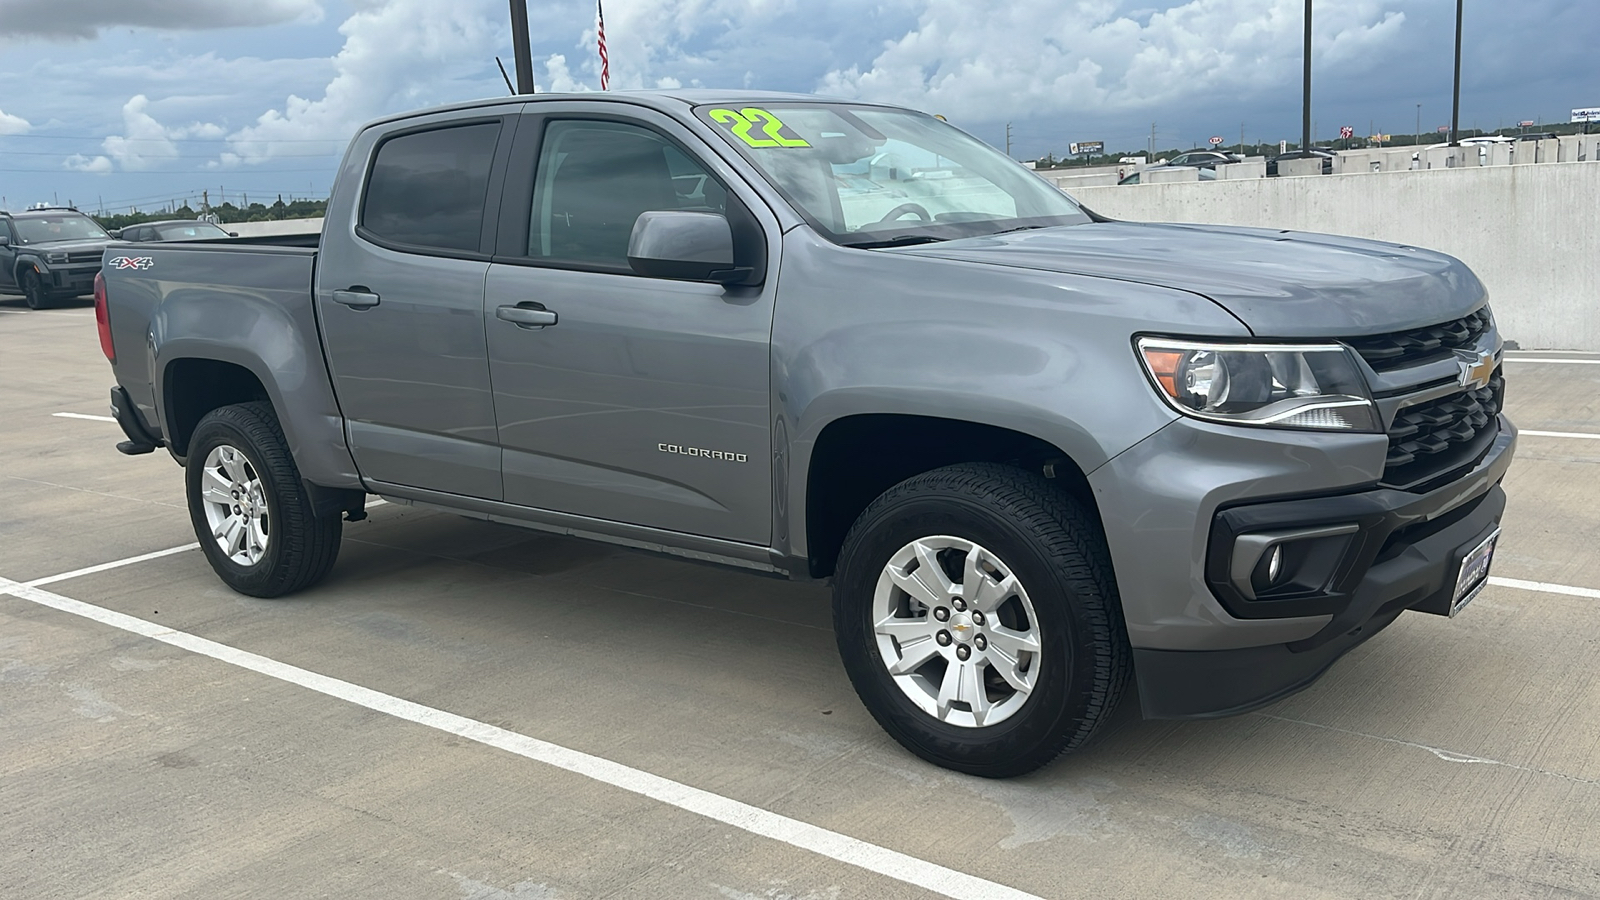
<point x="519" y="46"/>
<point x="1418" y="138"/>
<point x="1455" y="99"/>
<point x="1305" y="124"/>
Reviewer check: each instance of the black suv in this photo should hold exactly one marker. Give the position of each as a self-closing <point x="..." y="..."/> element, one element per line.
<point x="49" y="254"/>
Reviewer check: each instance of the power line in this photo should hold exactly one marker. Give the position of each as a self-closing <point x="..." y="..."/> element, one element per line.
<point x="174" y="140"/>
<point x="252" y="170"/>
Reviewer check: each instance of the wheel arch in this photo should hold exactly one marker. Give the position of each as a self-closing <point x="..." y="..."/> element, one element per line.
<point x="192" y="386"/>
<point x="855" y="458"/>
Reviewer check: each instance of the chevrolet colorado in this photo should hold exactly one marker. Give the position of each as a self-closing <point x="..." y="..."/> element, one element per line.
<point x="1039" y="453"/>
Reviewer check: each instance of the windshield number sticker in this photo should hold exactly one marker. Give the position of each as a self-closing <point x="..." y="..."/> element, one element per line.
<point x="741" y="122"/>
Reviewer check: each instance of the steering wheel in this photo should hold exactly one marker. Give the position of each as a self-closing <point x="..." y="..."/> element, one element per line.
<point x="904" y="208"/>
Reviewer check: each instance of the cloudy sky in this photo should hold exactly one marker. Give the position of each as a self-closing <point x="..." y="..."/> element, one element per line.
<point x="132" y="102"/>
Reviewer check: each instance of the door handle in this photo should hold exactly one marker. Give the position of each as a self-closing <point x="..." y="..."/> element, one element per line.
<point x="526" y="314"/>
<point x="356" y="298"/>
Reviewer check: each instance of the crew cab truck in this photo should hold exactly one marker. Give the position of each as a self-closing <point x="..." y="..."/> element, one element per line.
<point x="1038" y="452"/>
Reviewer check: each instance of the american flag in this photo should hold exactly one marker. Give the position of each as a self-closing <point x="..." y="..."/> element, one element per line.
<point x="605" y="61"/>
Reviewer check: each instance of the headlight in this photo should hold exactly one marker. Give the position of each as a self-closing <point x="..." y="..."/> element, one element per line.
<point x="55" y="256"/>
<point x="1316" y="386"/>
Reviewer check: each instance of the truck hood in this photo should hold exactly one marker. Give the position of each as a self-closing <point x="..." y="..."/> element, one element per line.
<point x="70" y="246"/>
<point x="1278" y="283"/>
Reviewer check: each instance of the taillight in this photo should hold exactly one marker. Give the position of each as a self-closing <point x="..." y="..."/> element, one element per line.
<point x="102" y="318"/>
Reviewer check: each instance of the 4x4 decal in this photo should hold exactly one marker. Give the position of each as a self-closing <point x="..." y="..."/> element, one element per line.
<point x="132" y="262"/>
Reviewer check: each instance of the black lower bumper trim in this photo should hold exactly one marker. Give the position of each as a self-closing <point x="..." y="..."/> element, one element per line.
<point x="1211" y="684"/>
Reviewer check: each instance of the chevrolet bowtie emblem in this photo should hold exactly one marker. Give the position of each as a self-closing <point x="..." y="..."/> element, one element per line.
<point x="1476" y="369"/>
<point x="959" y="626"/>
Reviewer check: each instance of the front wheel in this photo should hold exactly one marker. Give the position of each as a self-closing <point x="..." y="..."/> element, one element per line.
<point x="978" y="619"/>
<point x="33" y="290"/>
<point x="249" y="509"/>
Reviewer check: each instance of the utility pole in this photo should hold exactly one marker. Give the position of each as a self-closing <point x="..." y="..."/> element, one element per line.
<point x="1305" y="123"/>
<point x="519" y="46"/>
<point x="1008" y="138"/>
<point x="1455" y="99"/>
<point x="205" y="202"/>
<point x="1152" y="142"/>
<point x="1418" y="138"/>
<point x="1241" y="139"/>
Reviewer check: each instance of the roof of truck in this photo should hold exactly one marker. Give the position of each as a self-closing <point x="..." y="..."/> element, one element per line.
<point x="674" y="98"/>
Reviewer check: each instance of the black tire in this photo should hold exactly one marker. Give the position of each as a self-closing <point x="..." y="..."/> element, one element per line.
<point x="302" y="546"/>
<point x="1055" y="546"/>
<point x="33" y="290"/>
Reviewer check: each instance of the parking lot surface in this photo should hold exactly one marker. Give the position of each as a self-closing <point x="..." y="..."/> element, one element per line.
<point x="478" y="711"/>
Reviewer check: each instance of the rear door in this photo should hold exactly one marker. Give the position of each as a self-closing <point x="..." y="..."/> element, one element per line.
<point x="400" y="299"/>
<point x="647" y="402"/>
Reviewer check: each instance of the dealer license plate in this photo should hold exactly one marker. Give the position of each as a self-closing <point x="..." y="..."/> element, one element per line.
<point x="1474" y="574"/>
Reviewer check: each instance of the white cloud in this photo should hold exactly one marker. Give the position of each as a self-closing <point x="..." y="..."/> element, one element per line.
<point x="10" y="124"/>
<point x="77" y="162"/>
<point x="397" y="55"/>
<point x="980" y="60"/>
<point x="146" y="142"/>
<point x="84" y="19"/>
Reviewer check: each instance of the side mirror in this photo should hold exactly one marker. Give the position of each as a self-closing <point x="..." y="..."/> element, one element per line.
<point x="4" y="239"/>
<point x="233" y="234"/>
<point x="684" y="246"/>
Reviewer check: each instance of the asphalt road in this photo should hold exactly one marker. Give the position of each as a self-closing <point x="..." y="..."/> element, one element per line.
<point x="477" y="711"/>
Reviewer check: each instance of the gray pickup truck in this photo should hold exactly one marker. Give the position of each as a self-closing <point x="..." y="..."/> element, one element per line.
<point x="1038" y="452"/>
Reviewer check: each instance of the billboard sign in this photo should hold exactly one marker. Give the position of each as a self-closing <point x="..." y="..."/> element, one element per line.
<point x="1216" y="141"/>
<point x="1592" y="114"/>
<point x="1086" y="147"/>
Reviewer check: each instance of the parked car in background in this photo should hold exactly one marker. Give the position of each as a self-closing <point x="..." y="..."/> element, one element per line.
<point x="174" y="230"/>
<point x="1538" y="136"/>
<point x="1133" y="178"/>
<point x="50" y="254"/>
<point x="1201" y="159"/>
<point x="1324" y="155"/>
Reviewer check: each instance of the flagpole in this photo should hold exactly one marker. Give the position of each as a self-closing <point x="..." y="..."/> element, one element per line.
<point x="605" y="61"/>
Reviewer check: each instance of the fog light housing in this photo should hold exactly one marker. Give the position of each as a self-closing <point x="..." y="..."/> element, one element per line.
<point x="1277" y="565"/>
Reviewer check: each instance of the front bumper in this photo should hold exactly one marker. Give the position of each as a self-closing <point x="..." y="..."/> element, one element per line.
<point x="1203" y="649"/>
<point x="75" y="280"/>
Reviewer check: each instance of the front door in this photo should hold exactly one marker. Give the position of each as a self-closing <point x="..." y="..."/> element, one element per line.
<point x="647" y="401"/>
<point x="400" y="300"/>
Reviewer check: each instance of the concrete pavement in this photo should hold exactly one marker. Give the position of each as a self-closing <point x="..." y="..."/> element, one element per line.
<point x="1446" y="758"/>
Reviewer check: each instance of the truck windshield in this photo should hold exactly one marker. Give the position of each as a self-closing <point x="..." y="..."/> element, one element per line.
<point x="869" y="176"/>
<point x="38" y="229"/>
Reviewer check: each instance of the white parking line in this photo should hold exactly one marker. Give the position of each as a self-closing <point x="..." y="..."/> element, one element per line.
<point x="1545" y="586"/>
<point x="116" y="564"/>
<point x="1546" y="359"/>
<point x="83" y="416"/>
<point x="752" y="819"/>
<point x="1561" y="434"/>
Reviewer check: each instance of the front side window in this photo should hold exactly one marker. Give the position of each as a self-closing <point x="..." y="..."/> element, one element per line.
<point x="594" y="180"/>
<point x="428" y="188"/>
<point x="873" y="176"/>
<point x="67" y="227"/>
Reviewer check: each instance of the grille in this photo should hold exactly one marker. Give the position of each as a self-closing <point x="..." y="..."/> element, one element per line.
<point x="84" y="256"/>
<point x="1385" y="352"/>
<point x="1440" y="436"/>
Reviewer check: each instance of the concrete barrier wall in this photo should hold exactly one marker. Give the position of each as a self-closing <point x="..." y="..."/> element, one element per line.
<point x="1531" y="232"/>
<point x="286" y="226"/>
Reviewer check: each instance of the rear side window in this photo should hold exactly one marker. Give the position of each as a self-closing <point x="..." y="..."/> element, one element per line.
<point x="428" y="188"/>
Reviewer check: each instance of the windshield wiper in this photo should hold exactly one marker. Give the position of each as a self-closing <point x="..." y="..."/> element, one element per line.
<point x="1018" y="228"/>
<point x="904" y="240"/>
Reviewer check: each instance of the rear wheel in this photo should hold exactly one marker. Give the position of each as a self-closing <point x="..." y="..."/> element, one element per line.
<point x="250" y="512"/>
<point x="978" y="619"/>
<point x="33" y="290"/>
